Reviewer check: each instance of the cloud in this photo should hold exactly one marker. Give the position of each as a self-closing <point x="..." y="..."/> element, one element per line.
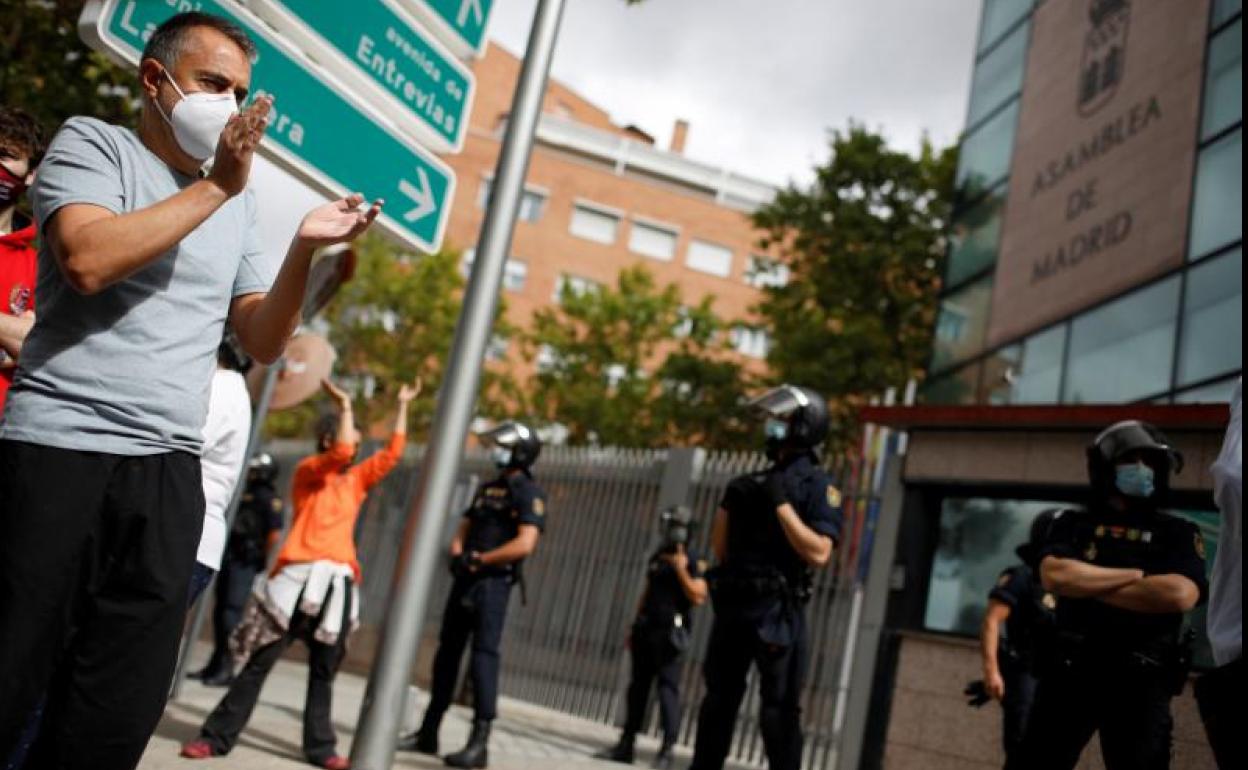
<point x="762" y="82"/>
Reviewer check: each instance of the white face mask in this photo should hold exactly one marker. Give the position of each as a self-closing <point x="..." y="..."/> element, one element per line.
<point x="198" y="119"/>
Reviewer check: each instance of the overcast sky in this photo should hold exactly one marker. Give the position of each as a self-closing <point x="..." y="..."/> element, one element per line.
<point x="760" y="81"/>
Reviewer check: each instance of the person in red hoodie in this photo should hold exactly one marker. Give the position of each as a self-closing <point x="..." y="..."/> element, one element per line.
<point x="21" y="148"/>
<point x="312" y="591"/>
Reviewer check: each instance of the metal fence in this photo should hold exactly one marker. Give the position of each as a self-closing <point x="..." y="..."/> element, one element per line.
<point x="565" y="648"/>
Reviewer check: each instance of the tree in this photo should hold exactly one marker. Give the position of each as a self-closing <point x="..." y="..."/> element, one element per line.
<point x="628" y="366"/>
<point x="51" y="74"/>
<point x="865" y="249"/>
<point x="392" y="321"/>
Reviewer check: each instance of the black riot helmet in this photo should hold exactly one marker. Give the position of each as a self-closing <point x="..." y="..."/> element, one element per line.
<point x="677" y="524"/>
<point x="803" y="411"/>
<point x="1127" y="437"/>
<point x="519" y="439"/>
<point x="263" y="467"/>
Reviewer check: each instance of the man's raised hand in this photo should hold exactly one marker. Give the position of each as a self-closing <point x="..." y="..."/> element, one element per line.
<point x="340" y="397"/>
<point x="237" y="146"/>
<point x="339" y="221"/>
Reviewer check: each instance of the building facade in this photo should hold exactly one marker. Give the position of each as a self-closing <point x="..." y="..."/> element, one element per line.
<point x="1094" y="274"/>
<point x="601" y="197"/>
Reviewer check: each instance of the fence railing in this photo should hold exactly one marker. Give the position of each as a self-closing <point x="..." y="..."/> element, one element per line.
<point x="565" y="648"/>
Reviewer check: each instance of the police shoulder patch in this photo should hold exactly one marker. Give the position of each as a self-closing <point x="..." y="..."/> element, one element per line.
<point x="1004" y="580"/>
<point x="539" y="506"/>
<point x="834" y="496"/>
<point x="277" y="503"/>
<point x="1200" y="545"/>
<point x="702" y="565"/>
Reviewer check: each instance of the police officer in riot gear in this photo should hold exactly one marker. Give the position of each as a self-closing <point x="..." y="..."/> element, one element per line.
<point x="1019" y="606"/>
<point x="660" y="635"/>
<point x="497" y="533"/>
<point x="257" y="527"/>
<point x="770" y="530"/>
<point x="1124" y="572"/>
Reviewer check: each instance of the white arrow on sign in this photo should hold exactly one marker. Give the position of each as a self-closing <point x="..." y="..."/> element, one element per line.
<point x="422" y="196"/>
<point x="466" y="7"/>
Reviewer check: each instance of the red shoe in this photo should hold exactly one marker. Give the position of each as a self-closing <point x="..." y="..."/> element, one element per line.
<point x="198" y="749"/>
<point x="336" y="763"/>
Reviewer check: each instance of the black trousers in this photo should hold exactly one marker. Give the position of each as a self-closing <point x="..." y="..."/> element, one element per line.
<point x="476" y="609"/>
<point x="1219" y="694"/>
<point x="96" y="554"/>
<point x="228" y="719"/>
<point x="1127" y="706"/>
<point x="232" y="589"/>
<point x="735" y="645"/>
<point x="1020" y="694"/>
<point x="654" y="658"/>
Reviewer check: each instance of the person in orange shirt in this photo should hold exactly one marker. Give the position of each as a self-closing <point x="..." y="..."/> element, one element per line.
<point x="312" y="592"/>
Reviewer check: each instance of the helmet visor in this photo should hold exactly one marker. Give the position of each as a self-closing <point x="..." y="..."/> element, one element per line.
<point x="507" y="434"/>
<point x="780" y="402"/>
<point x="1119" y="440"/>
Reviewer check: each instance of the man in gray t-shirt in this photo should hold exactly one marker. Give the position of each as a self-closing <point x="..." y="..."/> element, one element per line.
<point x="144" y="257"/>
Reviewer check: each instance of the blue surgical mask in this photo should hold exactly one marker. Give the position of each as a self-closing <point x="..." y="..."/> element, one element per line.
<point x="1134" y="480"/>
<point x="501" y="456"/>
<point x="775" y="430"/>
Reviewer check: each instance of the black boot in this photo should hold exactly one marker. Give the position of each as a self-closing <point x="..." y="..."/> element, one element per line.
<point x="476" y="754"/>
<point x="424" y="740"/>
<point x="620" y="752"/>
<point x="222" y="677"/>
<point x="664" y="759"/>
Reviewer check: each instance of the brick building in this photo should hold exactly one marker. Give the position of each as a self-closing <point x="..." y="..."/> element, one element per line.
<point x="600" y="197"/>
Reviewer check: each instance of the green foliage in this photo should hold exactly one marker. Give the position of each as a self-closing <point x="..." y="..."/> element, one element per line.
<point x="865" y="246"/>
<point x="621" y="374"/>
<point x="50" y="73"/>
<point x="393" y="321"/>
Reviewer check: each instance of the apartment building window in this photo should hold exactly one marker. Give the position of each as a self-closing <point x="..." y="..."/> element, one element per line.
<point x="532" y="201"/>
<point x="515" y="273"/>
<point x="1121" y="352"/>
<point x="652" y="240"/>
<point x="594" y="224"/>
<point x="496" y="350"/>
<point x="750" y="342"/>
<point x="710" y="258"/>
<point x="763" y="272"/>
<point x="574" y="284"/>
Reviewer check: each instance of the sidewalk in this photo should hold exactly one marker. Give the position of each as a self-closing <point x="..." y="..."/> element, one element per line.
<point x="525" y="737"/>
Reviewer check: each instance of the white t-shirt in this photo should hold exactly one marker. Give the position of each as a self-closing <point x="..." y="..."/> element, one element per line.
<point x="225" y="447"/>
<point x="1226" y="597"/>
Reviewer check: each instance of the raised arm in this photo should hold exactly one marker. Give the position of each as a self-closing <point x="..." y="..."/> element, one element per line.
<point x="375" y="468"/>
<point x="694" y="588"/>
<point x="96" y="248"/>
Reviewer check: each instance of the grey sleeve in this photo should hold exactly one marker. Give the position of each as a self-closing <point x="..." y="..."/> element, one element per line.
<point x="81" y="166"/>
<point x="256" y="270"/>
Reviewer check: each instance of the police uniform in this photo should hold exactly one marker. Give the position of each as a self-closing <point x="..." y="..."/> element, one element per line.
<point x="477" y="605"/>
<point x="1031" y="613"/>
<point x="660" y="636"/>
<point x="1111" y="670"/>
<point x="759" y="593"/>
<point x="259" y="514"/>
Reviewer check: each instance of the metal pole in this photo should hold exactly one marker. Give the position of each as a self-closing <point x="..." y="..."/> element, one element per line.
<point x="231" y="511"/>
<point x="383" y="707"/>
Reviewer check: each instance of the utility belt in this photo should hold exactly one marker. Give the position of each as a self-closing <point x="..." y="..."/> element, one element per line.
<point x="1170" y="659"/>
<point x="745" y="586"/>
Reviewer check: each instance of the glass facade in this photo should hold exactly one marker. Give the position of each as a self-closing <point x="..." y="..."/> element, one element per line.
<point x="999" y="75"/>
<point x="984" y="158"/>
<point x="962" y="323"/>
<point x="1213" y="314"/>
<point x="973" y="238"/>
<point x="1218" y="202"/>
<point x="998" y="16"/>
<point x="1224" y="81"/>
<point x="1122" y="351"/>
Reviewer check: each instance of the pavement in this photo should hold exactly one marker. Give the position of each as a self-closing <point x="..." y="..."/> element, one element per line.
<point x="525" y="737"/>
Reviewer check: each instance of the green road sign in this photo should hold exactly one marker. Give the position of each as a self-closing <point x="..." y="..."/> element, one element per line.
<point x="384" y="53"/>
<point x="460" y="23"/>
<point x="318" y="131"/>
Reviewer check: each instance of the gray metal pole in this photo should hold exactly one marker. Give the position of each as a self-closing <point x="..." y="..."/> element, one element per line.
<point x="383" y="705"/>
<point x="231" y="511"/>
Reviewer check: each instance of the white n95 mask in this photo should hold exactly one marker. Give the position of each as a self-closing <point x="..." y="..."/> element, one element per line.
<point x="198" y="119"/>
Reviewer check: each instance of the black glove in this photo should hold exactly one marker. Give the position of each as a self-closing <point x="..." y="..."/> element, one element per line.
<point x="976" y="693"/>
<point x="773" y="485"/>
<point x="458" y="566"/>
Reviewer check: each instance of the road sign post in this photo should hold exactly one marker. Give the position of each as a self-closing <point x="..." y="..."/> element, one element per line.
<point x="319" y="131"/>
<point x="377" y="731"/>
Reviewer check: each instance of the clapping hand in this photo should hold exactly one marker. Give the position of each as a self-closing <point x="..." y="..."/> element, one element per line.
<point x="339" y="221"/>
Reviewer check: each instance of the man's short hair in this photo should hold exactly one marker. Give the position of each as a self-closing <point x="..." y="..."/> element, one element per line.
<point x="166" y="43"/>
<point x="21" y="135"/>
